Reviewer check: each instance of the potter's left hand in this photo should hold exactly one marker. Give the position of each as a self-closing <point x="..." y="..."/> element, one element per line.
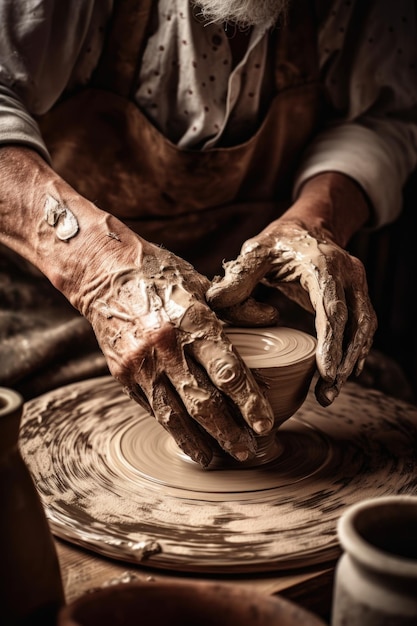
<point x="299" y="256"/>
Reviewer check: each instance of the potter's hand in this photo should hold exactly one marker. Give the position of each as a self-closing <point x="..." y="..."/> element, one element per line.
<point x="321" y="276"/>
<point x="168" y="350"/>
<point x="147" y="307"/>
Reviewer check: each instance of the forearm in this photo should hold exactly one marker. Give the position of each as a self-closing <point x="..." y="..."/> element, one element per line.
<point x="379" y="157"/>
<point x="331" y="203"/>
<point x="30" y="190"/>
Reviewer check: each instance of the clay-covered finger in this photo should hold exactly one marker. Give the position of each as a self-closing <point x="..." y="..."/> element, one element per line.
<point x="230" y="375"/>
<point x="183" y="398"/>
<point x="171" y="414"/>
<point x="212" y="410"/>
<point x="240" y="277"/>
<point x="135" y="393"/>
<point x="362" y="327"/>
<point x="200" y="401"/>
<point x="331" y="314"/>
<point x="250" y="313"/>
<point x="351" y="330"/>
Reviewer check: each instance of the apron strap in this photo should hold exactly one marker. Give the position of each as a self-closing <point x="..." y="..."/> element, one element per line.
<point x="118" y="65"/>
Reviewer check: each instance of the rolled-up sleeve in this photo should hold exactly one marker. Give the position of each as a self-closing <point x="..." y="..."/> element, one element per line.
<point x="17" y="126"/>
<point x="40" y="45"/>
<point x="369" y="66"/>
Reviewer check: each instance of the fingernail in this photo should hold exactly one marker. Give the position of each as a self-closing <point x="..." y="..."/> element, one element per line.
<point x="331" y="393"/>
<point x="261" y="427"/>
<point x="241" y="456"/>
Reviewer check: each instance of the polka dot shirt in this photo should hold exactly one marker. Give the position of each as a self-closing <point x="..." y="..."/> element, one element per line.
<point x="191" y="91"/>
<point x="188" y="85"/>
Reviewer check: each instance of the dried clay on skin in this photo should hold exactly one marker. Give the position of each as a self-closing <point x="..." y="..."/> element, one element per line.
<point x="61" y="218"/>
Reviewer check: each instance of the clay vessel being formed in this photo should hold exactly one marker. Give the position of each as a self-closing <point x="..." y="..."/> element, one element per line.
<point x="283" y="361"/>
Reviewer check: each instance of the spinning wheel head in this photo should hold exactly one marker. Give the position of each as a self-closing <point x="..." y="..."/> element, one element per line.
<point x="112" y="480"/>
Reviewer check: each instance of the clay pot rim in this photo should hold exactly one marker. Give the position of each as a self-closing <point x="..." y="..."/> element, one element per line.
<point x="10" y="401"/>
<point x="279" y="357"/>
<point x="368" y="555"/>
<point x="297" y="614"/>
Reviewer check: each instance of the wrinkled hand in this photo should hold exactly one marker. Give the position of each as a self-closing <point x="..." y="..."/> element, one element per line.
<point x="168" y="349"/>
<point x="319" y="275"/>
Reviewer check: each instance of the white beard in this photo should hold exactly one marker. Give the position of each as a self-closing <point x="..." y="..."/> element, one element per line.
<point x="243" y="13"/>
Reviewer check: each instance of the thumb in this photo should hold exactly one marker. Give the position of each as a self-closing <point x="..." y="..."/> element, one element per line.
<point x="240" y="279"/>
<point x="250" y="313"/>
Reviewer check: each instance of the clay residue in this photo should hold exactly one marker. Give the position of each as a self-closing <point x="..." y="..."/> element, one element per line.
<point x="113" y="481"/>
<point x="60" y="218"/>
<point x="159" y="336"/>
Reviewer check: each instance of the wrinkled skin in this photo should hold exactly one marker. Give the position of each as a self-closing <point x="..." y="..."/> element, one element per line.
<point x="147" y="307"/>
<point x="319" y="275"/>
<point x="150" y="312"/>
<point x="168" y="350"/>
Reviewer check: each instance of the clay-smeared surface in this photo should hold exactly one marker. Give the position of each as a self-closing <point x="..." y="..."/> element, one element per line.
<point x="113" y="480"/>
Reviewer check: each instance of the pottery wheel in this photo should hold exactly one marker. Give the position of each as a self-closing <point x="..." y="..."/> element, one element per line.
<point x="112" y="480"/>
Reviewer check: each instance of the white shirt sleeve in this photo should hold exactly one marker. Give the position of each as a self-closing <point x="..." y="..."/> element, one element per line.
<point x="368" y="54"/>
<point x="41" y="45"/>
<point x="16" y="125"/>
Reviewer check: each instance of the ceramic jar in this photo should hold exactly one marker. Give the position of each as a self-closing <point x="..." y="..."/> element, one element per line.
<point x="182" y="603"/>
<point x="30" y="581"/>
<point x="376" y="577"/>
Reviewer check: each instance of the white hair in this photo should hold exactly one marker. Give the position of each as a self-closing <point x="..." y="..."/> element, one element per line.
<point x="243" y="13"/>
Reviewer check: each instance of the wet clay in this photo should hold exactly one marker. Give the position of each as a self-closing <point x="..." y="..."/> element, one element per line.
<point x="315" y="272"/>
<point x="168" y="350"/>
<point x="113" y="481"/>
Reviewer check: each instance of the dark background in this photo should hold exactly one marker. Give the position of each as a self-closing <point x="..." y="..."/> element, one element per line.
<point x="390" y="258"/>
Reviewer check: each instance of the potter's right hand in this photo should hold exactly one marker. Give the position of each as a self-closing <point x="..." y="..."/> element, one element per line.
<point x="167" y="347"/>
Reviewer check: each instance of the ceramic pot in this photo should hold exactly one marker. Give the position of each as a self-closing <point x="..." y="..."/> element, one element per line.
<point x="182" y="603"/>
<point x="283" y="362"/>
<point x="30" y="581"/>
<point x="376" y="577"/>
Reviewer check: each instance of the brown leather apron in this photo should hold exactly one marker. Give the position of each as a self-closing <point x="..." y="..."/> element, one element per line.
<point x="200" y="204"/>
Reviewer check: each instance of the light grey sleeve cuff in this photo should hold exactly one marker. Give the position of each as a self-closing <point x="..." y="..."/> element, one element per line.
<point x="17" y="126"/>
<point x="379" y="163"/>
